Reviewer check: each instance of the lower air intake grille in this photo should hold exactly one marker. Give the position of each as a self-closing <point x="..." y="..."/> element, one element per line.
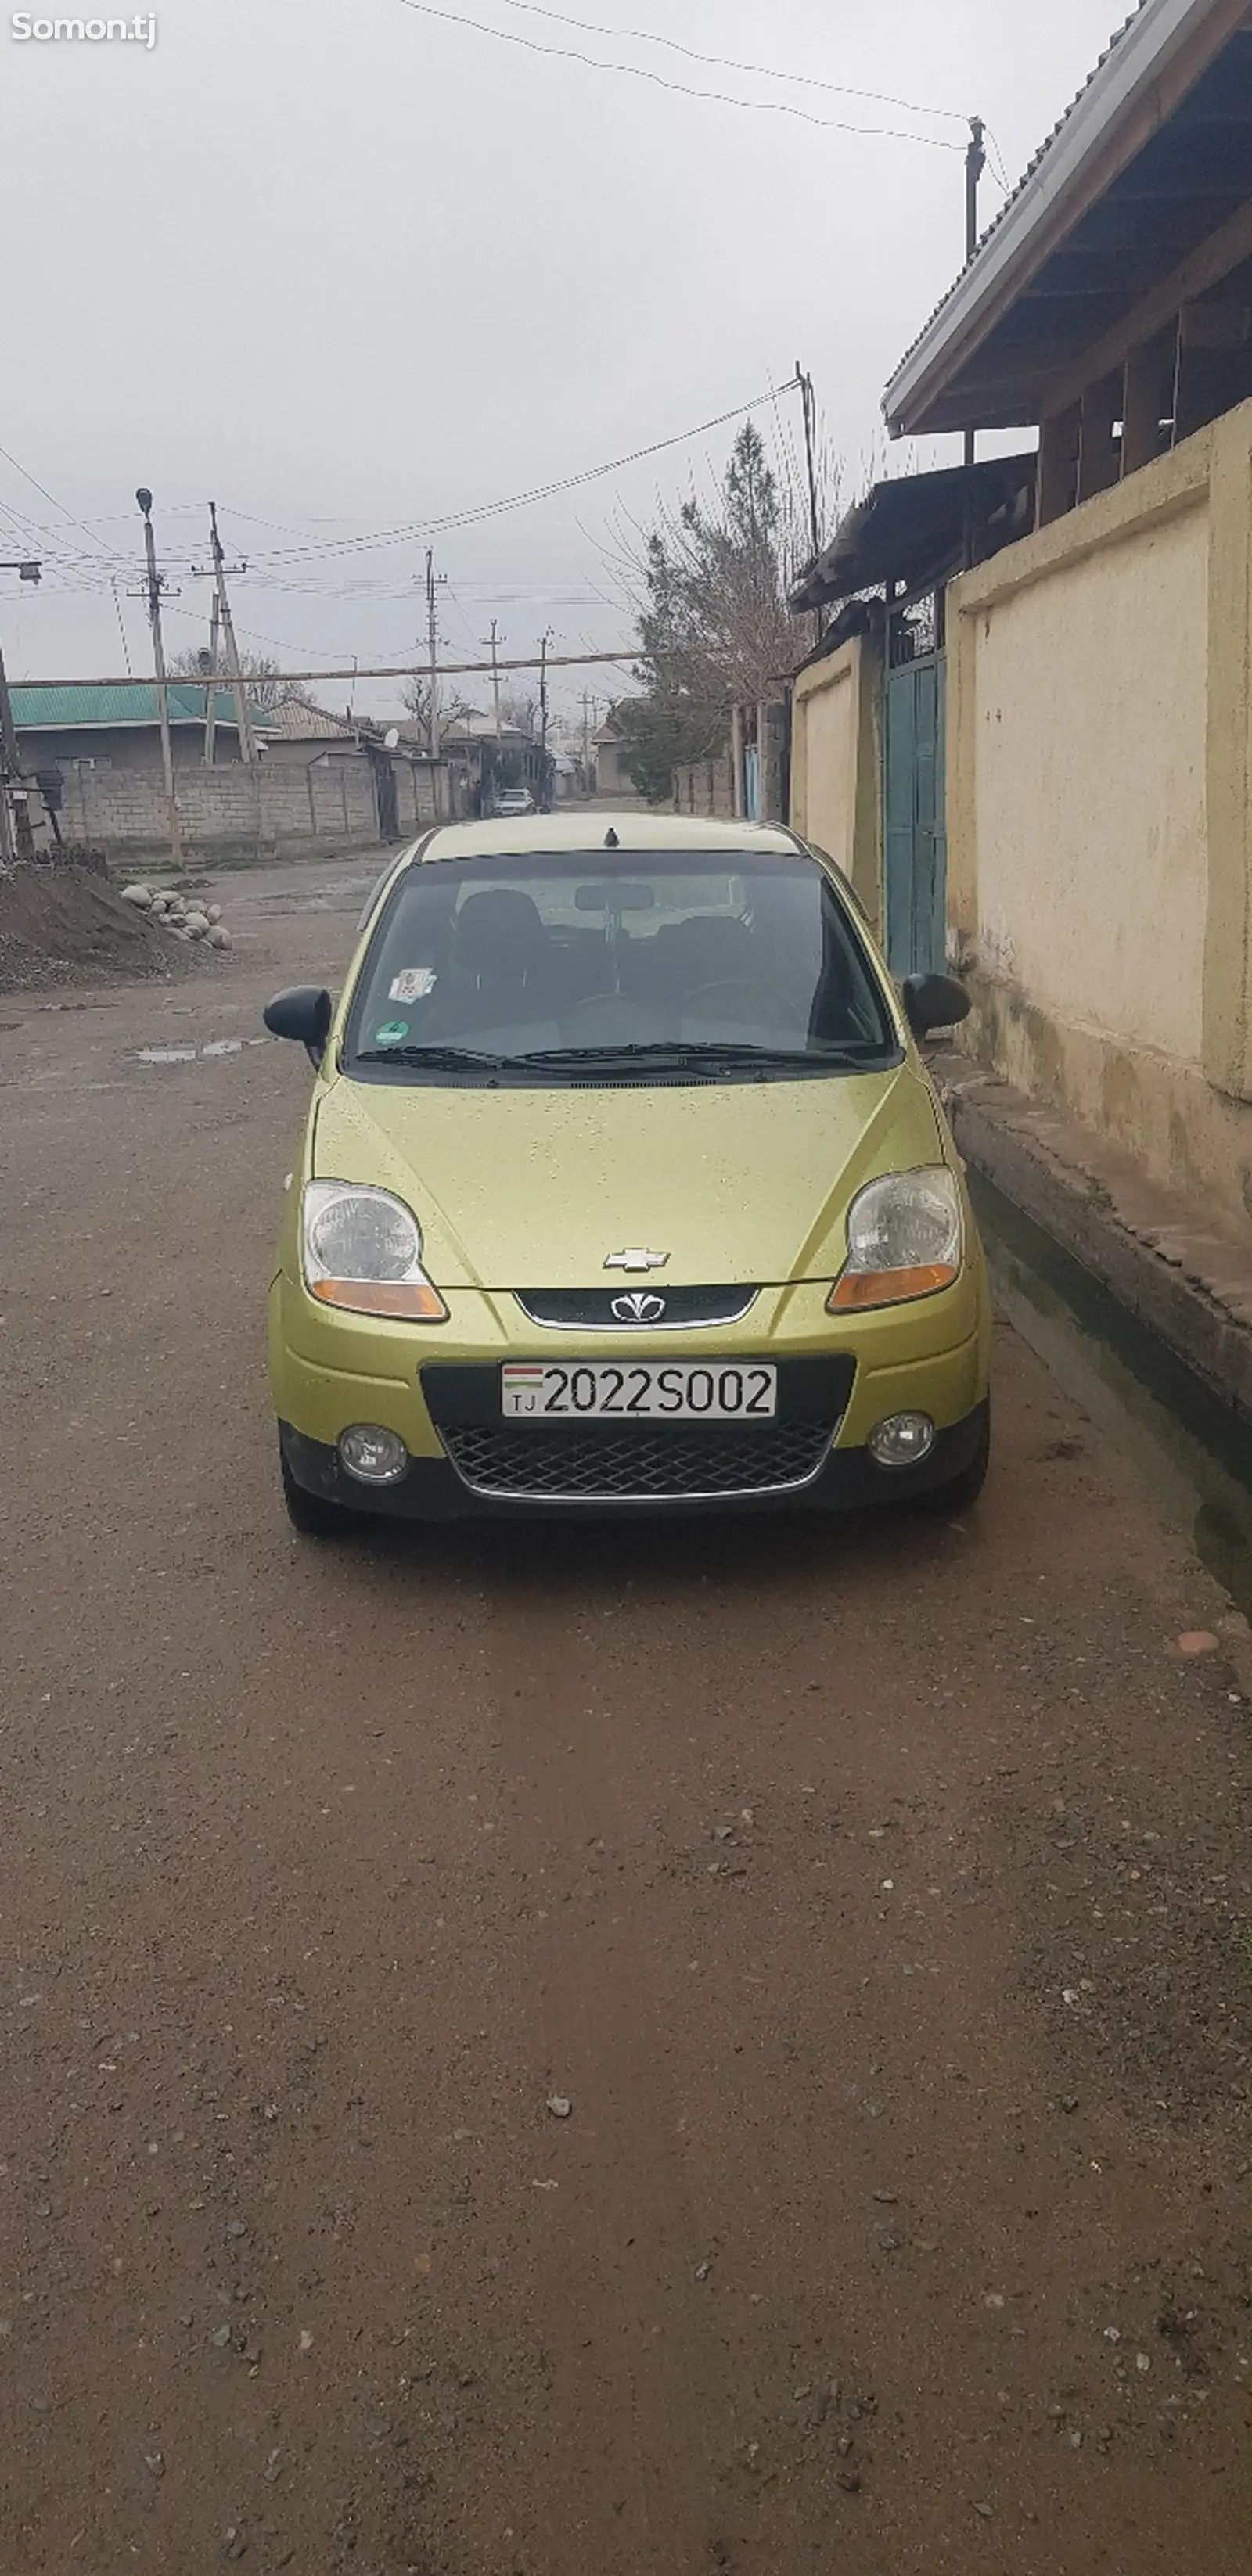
<point x="645" y="1463"/>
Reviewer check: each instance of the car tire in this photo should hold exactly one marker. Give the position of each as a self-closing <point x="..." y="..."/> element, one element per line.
<point x="311" y="1514"/>
<point x="961" y="1492"/>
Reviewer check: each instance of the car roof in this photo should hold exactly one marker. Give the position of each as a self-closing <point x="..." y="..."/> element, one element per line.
<point x="589" y="831"/>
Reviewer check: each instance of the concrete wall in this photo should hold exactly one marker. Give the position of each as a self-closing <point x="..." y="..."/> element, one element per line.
<point x="230" y="810"/>
<point x="612" y="776"/>
<point x="1100" y="813"/>
<point x="706" y="787"/>
<point x="836" y="763"/>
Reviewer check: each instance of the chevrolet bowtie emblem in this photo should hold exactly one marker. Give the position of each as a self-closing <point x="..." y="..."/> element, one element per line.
<point x="636" y="1258"/>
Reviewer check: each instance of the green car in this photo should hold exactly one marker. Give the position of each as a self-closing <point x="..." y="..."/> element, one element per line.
<point x="623" y="1188"/>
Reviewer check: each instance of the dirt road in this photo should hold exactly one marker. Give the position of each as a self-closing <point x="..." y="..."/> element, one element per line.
<point x="876" y="1897"/>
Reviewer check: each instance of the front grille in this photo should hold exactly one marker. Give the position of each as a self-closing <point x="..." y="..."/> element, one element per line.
<point x="642" y="1463"/>
<point x="609" y="1310"/>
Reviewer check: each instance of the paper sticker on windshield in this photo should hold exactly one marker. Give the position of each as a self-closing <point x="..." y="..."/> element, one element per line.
<point x="392" y="1033"/>
<point x="413" y="985"/>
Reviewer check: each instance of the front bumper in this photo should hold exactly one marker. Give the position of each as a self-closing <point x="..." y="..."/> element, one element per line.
<point x="837" y="1376"/>
<point x="850" y="1480"/>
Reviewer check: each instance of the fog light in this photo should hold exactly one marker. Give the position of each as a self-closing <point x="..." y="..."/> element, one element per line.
<point x="378" y="1457"/>
<point x="903" y="1440"/>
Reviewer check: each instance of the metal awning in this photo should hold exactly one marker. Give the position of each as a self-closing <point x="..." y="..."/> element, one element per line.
<point x="1152" y="161"/>
<point x="917" y="528"/>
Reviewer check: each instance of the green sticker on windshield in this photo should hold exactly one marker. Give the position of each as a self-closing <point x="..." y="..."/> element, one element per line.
<point x="392" y="1033"/>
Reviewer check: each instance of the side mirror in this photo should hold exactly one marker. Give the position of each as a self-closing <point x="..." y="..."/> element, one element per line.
<point x="933" y="1002"/>
<point x="304" y="1012"/>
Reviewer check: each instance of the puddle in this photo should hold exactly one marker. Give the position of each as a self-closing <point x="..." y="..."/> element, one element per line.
<point x="1191" y="1450"/>
<point x="189" y="1054"/>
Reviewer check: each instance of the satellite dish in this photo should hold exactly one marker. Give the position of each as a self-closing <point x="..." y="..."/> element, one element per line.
<point x="391" y="737"/>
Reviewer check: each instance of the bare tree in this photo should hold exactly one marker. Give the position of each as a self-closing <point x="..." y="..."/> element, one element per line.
<point x="415" y="697"/>
<point x="266" y="686"/>
<point x="715" y="630"/>
<point x="519" y="709"/>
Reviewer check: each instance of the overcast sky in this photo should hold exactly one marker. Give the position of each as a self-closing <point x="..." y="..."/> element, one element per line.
<point x="346" y="266"/>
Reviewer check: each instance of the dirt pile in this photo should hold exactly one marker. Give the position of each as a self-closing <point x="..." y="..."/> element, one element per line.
<point x="67" y="926"/>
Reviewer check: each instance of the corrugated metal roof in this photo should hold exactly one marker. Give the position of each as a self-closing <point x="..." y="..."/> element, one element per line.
<point x="299" y="721"/>
<point x="1118" y="38"/>
<point x="65" y="709"/>
<point x="915" y="525"/>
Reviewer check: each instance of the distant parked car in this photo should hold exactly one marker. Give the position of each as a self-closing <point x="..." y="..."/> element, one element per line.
<point x="514" y="800"/>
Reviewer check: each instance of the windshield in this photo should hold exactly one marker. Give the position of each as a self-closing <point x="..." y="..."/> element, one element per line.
<point x="659" y="963"/>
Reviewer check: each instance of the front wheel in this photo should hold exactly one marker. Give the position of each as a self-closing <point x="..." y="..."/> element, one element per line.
<point x="961" y="1491"/>
<point x="311" y="1514"/>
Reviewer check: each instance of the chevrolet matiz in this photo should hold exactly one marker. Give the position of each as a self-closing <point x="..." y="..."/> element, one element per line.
<point x="624" y="1188"/>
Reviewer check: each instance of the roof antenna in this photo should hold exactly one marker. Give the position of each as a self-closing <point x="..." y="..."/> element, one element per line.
<point x="611" y="841"/>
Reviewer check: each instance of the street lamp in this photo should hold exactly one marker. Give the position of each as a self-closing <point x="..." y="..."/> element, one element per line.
<point x="16" y="838"/>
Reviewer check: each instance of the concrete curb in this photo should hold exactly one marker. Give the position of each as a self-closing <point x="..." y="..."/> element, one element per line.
<point x="1189" y="1282"/>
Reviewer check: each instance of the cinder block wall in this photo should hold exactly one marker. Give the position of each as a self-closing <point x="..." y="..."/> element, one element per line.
<point x="287" y="805"/>
<point x="706" y="787"/>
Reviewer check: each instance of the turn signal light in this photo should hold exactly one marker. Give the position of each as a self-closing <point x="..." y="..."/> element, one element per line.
<point x="861" y="1288"/>
<point x="412" y="1300"/>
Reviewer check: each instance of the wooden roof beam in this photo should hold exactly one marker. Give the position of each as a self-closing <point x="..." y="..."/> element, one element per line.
<point x="1203" y="268"/>
<point x="1122" y="110"/>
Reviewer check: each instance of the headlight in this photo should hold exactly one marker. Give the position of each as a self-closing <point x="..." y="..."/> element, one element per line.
<point x="904" y="1240"/>
<point x="362" y="1249"/>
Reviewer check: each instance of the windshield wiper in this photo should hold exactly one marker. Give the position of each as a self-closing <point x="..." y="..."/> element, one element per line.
<point x="683" y="1053"/>
<point x="441" y="1059"/>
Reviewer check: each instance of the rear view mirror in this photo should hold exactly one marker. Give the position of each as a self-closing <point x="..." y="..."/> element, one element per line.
<point x="614" y="896"/>
<point x="934" y="1002"/>
<point x="304" y="1012"/>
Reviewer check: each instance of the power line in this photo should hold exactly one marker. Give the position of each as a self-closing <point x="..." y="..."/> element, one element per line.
<point x="681" y="89"/>
<point x="998" y="162"/>
<point x="36" y="486"/>
<point x="366" y="542"/>
<point x="254" y="635"/>
<point x="727" y="62"/>
<point x="517" y="500"/>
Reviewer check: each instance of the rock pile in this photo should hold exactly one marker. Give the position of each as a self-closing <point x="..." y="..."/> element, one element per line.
<point x="183" y="916"/>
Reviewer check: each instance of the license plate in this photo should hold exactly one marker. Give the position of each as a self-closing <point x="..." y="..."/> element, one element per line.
<point x="680" y="1391"/>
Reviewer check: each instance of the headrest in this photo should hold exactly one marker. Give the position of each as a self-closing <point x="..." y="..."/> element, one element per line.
<point x="499" y="932"/>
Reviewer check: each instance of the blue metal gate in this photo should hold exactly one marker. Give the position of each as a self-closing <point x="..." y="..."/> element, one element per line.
<point x="914" y="823"/>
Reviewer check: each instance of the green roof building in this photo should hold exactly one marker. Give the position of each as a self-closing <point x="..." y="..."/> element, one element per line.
<point x="119" y="728"/>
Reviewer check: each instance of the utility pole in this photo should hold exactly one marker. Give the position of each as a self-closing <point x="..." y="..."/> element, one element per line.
<point x="217" y="575"/>
<point x="495" y="671"/>
<point x="210" y="692"/>
<point x="433" y="581"/>
<point x="588" y="704"/>
<point x="543" y="708"/>
<point x="975" y="164"/>
<point x="805" y="383"/>
<point x="16" y="838"/>
<point x="155" y="585"/>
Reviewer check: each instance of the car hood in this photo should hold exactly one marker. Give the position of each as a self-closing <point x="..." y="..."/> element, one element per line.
<point x="736" y="1183"/>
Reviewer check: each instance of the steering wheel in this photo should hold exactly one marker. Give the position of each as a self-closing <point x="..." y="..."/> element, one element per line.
<point x="739" y="998"/>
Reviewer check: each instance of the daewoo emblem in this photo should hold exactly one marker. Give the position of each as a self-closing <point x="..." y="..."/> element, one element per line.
<point x="638" y="1308"/>
<point x="636" y="1258"/>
